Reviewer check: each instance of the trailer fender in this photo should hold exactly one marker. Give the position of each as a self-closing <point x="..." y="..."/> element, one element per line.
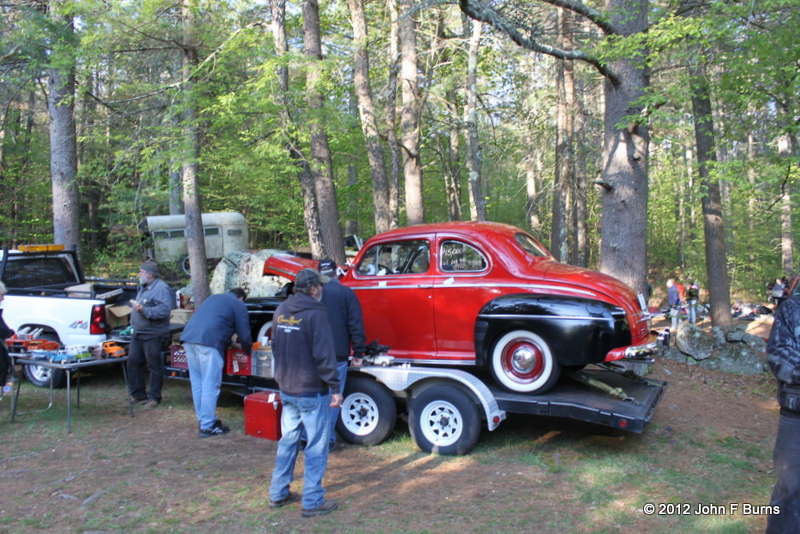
<point x="403" y="377"/>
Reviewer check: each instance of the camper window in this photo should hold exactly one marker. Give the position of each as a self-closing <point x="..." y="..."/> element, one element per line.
<point x="213" y="230"/>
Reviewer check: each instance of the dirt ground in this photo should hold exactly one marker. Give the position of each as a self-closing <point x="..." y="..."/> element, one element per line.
<point x="153" y="474"/>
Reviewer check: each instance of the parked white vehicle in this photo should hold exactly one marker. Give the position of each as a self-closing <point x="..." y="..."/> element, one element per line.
<point x="47" y="290"/>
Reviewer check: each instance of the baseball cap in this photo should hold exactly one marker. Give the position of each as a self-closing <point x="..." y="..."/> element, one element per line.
<point x="309" y="278"/>
<point x="327" y="267"/>
<point x="150" y="267"/>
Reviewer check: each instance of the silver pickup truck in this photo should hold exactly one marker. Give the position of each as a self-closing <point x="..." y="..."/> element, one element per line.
<point x="47" y="290"/>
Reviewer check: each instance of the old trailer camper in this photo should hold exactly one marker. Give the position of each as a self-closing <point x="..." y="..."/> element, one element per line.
<point x="224" y="232"/>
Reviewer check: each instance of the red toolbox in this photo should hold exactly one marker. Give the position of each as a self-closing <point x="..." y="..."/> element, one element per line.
<point x="262" y="415"/>
<point x="237" y="362"/>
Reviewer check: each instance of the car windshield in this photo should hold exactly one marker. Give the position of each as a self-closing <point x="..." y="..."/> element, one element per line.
<point x="531" y="246"/>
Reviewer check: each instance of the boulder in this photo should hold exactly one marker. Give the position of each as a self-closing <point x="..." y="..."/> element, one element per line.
<point x="736" y="333"/>
<point x="737" y="359"/>
<point x="692" y="341"/>
<point x="755" y="342"/>
<point x="718" y="335"/>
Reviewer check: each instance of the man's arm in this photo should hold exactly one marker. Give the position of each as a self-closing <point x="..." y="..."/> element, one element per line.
<point x="355" y="325"/>
<point x="783" y="348"/>
<point x="324" y="353"/>
<point x="159" y="303"/>
<point x="242" y="321"/>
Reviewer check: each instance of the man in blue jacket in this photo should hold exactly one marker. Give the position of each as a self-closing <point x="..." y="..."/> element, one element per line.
<point x="205" y="339"/>
<point x="305" y="370"/>
<point x="347" y="326"/>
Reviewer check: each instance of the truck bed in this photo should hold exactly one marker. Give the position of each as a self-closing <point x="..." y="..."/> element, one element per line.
<point x="574" y="400"/>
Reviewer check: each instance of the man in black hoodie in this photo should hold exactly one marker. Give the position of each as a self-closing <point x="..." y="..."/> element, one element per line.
<point x="305" y="369"/>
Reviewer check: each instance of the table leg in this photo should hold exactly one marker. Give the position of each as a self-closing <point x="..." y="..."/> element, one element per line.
<point x="69" y="413"/>
<point x="127" y="391"/>
<point x="78" y="380"/>
<point x="15" y="400"/>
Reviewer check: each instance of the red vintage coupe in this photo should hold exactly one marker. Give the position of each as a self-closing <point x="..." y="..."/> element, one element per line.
<point x="488" y="295"/>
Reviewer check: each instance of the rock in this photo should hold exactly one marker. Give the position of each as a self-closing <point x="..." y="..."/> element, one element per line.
<point x="691" y="340"/>
<point x="718" y="334"/>
<point x="754" y="342"/>
<point x="736" y="333"/>
<point x="737" y="359"/>
<point x="672" y="353"/>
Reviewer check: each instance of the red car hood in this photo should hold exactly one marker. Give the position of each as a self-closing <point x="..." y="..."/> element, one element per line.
<point x="287" y="266"/>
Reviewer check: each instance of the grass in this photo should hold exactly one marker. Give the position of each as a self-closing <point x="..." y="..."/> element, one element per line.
<point x="151" y="474"/>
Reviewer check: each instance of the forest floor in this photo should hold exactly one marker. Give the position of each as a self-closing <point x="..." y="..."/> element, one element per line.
<point x="709" y="444"/>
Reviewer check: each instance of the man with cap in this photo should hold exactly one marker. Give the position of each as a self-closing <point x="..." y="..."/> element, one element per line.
<point x="305" y="370"/>
<point x="347" y="326"/>
<point x="150" y="323"/>
<point x="205" y="339"/>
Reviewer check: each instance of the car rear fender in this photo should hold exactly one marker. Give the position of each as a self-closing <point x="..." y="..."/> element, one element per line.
<point x="579" y="331"/>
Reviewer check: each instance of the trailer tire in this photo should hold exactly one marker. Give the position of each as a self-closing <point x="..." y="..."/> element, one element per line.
<point x="40" y="376"/>
<point x="522" y="362"/>
<point x="444" y="420"/>
<point x="368" y="413"/>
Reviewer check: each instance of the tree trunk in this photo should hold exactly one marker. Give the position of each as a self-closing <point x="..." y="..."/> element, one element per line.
<point x="787" y="258"/>
<point x="322" y="167"/>
<point x="175" y="178"/>
<point x="192" y="201"/>
<point x="396" y="156"/>
<point x="453" y="167"/>
<point x="409" y="120"/>
<point x="623" y="252"/>
<point x="533" y="173"/>
<point x="474" y="154"/>
<point x="564" y="176"/>
<point x="369" y="120"/>
<point x="713" y="225"/>
<point x="63" y="138"/>
<point x="310" y="212"/>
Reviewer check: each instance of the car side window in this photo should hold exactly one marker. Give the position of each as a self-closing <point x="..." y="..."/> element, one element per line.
<point x="460" y="257"/>
<point x="401" y="257"/>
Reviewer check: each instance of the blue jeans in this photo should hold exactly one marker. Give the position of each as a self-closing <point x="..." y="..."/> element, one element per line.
<point x="693" y="311"/>
<point x="786" y="492"/>
<point x="341" y="367"/>
<point x="205" y="372"/>
<point x="313" y="414"/>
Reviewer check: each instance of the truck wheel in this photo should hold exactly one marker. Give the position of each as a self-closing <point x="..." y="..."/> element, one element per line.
<point x="444" y="420"/>
<point x="40" y="376"/>
<point x="368" y="413"/>
<point x="522" y="362"/>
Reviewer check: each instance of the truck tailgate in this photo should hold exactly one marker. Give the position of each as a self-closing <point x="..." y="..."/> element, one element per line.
<point x="575" y="400"/>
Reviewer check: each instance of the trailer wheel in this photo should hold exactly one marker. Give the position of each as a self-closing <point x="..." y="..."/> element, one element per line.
<point x="522" y="362"/>
<point x="40" y="376"/>
<point x="368" y="413"/>
<point x="444" y="420"/>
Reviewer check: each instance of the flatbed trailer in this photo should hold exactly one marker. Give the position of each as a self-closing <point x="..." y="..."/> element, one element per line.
<point x="447" y="407"/>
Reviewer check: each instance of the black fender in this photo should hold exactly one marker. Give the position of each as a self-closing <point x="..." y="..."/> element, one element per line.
<point x="579" y="331"/>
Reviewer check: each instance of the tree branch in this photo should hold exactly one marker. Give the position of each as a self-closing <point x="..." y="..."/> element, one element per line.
<point x="477" y="10"/>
